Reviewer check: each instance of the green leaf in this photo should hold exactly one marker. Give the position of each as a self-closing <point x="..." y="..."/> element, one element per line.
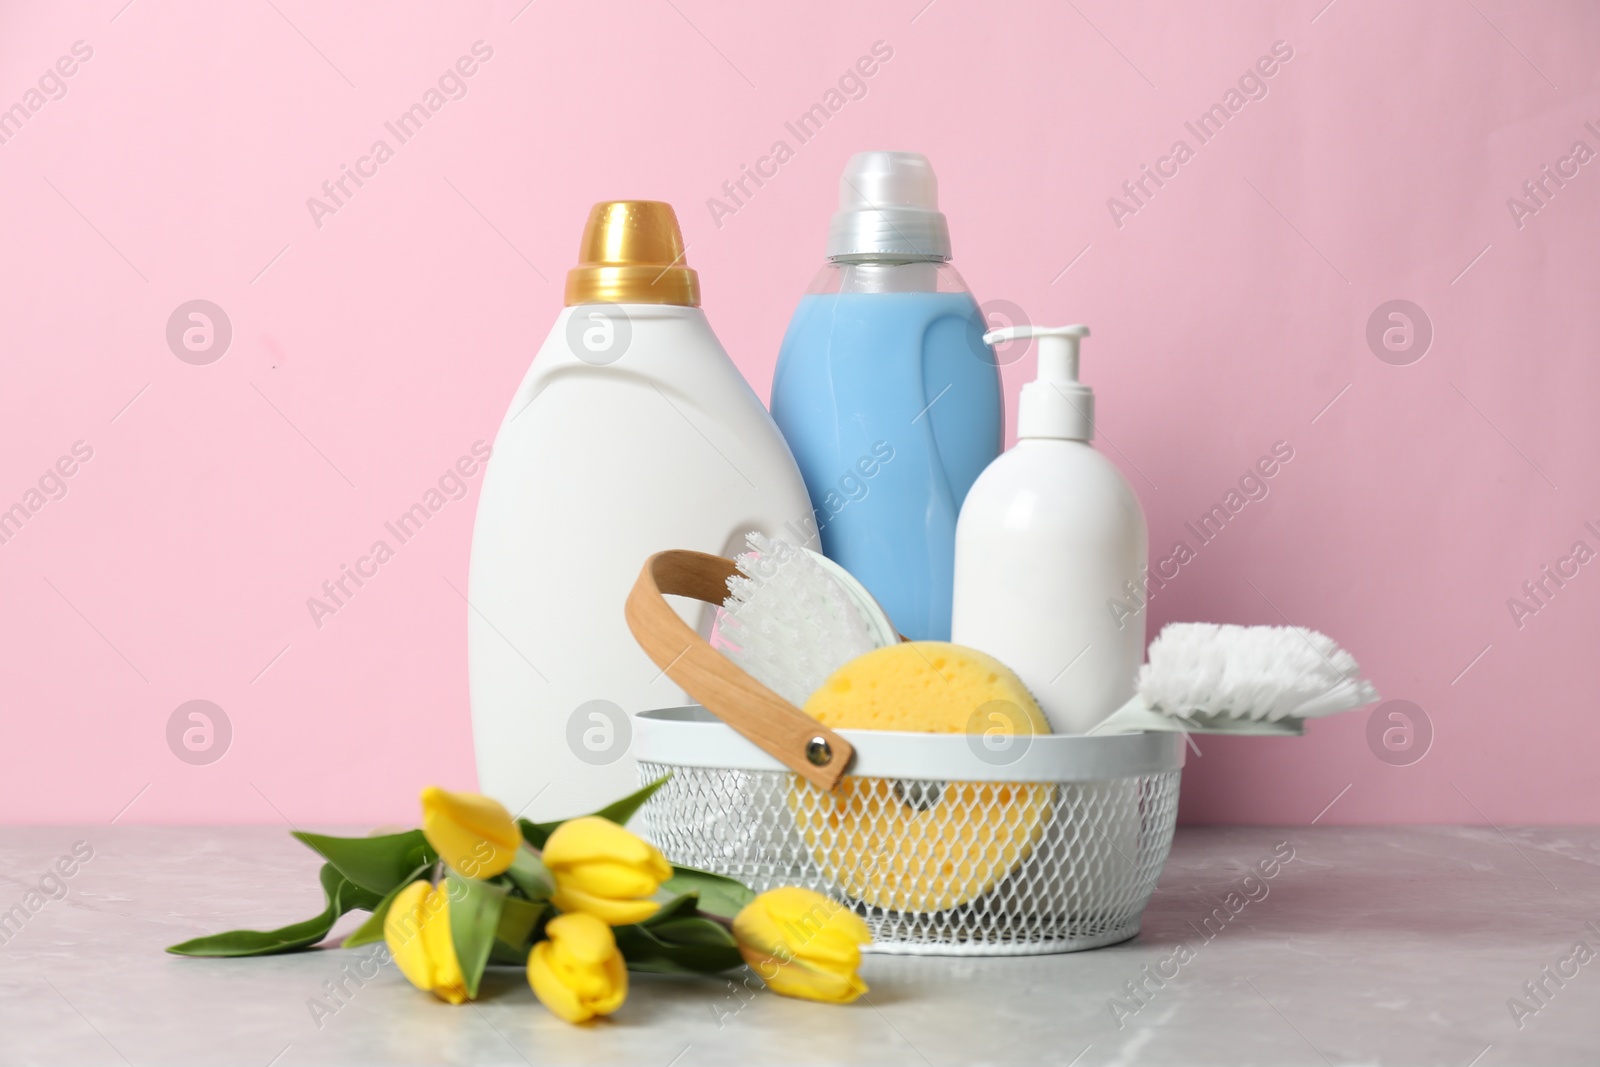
<point x="377" y="864"/>
<point x="508" y="955"/>
<point x="474" y="916"/>
<point x="351" y="897"/>
<point x="528" y="873"/>
<point x="619" y="812"/>
<point x="517" y="921"/>
<point x="694" y="931"/>
<point x="372" y="929"/>
<point x="342" y="896"/>
<point x="684" y="905"/>
<point x="719" y="894"/>
<point x="694" y="946"/>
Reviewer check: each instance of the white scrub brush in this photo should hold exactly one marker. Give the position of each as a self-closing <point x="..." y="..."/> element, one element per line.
<point x="793" y="617"/>
<point x="1206" y="678"/>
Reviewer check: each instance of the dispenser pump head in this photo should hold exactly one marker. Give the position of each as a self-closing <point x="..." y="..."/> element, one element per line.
<point x="1055" y="404"/>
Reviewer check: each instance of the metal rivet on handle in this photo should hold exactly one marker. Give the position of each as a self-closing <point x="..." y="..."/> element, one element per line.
<point x="819" y="752"/>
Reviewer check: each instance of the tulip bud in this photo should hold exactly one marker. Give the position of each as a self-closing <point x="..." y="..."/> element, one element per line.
<point x="476" y="836"/>
<point x="417" y="930"/>
<point x="577" y="972"/>
<point x="803" y="945"/>
<point x="604" y="870"/>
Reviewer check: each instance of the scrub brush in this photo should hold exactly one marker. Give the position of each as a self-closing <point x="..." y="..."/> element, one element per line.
<point x="1224" y="679"/>
<point x="793" y="617"/>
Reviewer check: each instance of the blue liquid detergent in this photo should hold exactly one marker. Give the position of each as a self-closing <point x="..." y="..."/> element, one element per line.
<point x="891" y="405"/>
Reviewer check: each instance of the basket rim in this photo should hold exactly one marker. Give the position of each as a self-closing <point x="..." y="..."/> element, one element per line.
<point x="691" y="736"/>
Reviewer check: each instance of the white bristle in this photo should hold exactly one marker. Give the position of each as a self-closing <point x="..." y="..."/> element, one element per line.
<point x="787" y="622"/>
<point x="1250" y="672"/>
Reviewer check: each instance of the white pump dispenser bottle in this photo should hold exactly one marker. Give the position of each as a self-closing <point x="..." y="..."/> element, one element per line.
<point x="1047" y="538"/>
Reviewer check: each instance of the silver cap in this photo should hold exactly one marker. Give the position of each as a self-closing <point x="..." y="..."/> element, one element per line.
<point x="888" y="208"/>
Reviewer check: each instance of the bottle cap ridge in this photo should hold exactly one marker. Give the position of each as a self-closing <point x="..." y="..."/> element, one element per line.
<point x="888" y="209"/>
<point x="632" y="253"/>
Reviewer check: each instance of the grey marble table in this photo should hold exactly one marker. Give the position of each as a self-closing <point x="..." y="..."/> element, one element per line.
<point x="1370" y="946"/>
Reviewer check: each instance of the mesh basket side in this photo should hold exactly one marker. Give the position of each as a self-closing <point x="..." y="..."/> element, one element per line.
<point x="933" y="866"/>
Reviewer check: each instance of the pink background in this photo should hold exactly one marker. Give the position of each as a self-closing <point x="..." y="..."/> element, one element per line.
<point x="369" y="353"/>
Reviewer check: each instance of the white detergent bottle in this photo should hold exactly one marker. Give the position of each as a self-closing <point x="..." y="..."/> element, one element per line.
<point x="1048" y="540"/>
<point x="633" y="432"/>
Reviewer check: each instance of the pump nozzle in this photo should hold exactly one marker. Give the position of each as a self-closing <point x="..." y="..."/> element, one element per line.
<point x="1054" y="404"/>
<point x="1058" y="348"/>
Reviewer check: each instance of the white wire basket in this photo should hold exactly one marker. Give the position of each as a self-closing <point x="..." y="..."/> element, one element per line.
<point x="943" y="846"/>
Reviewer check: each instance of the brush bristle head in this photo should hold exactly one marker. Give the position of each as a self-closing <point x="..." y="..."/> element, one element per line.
<point x="1250" y="672"/>
<point x="787" y="622"/>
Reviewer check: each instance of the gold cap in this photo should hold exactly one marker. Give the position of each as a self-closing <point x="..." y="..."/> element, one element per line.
<point x="632" y="253"/>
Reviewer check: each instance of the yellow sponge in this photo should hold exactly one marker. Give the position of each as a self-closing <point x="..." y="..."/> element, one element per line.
<point x="923" y="686"/>
<point x="923" y="846"/>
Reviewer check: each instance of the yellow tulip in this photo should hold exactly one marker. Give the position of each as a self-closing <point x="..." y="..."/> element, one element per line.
<point x="604" y="871"/>
<point x="476" y="836"/>
<point x="417" y="930"/>
<point x="803" y="945"/>
<point x="577" y="972"/>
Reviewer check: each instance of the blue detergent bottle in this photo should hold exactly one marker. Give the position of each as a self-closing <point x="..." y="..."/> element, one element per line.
<point x="887" y="394"/>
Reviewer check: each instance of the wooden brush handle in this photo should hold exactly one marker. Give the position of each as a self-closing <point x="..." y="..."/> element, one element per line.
<point x="779" y="728"/>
